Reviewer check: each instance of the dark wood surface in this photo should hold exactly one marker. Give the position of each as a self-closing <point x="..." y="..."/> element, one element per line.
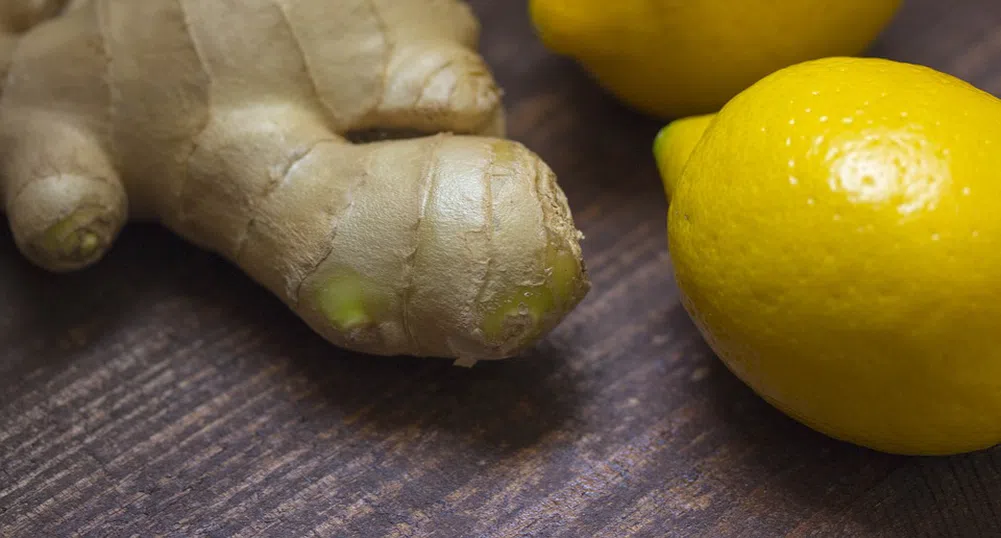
<point x="162" y="393"/>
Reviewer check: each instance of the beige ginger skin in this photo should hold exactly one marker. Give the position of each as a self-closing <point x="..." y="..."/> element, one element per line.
<point x="225" y="120"/>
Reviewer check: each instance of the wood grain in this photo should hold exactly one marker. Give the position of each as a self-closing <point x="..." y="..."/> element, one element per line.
<point x="162" y="393"/>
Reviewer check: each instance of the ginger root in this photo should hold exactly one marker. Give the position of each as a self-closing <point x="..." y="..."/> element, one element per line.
<point x="227" y="121"/>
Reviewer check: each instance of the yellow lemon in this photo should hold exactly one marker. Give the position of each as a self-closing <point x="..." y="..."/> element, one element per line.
<point x="836" y="235"/>
<point x="671" y="58"/>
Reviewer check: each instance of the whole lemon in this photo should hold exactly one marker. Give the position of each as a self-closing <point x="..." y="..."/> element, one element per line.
<point x="836" y="235"/>
<point x="671" y="58"/>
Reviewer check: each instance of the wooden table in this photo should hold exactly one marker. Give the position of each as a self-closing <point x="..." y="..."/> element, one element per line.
<point x="162" y="393"/>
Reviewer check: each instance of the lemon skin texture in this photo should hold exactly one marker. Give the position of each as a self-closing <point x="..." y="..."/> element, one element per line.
<point x="671" y="58"/>
<point x="836" y="236"/>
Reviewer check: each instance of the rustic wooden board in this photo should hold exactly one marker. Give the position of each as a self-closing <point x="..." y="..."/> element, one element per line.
<point x="162" y="393"/>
